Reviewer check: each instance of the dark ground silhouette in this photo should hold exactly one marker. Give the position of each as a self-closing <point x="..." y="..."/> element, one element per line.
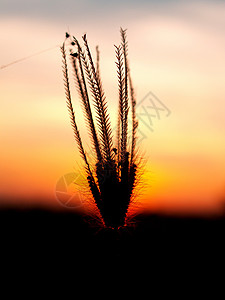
<point x="58" y="244"/>
<point x="39" y="232"/>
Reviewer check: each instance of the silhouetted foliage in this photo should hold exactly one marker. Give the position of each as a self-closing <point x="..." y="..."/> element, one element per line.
<point x="114" y="177"/>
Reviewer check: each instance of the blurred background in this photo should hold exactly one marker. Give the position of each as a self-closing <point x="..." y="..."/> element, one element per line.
<point x="177" y="60"/>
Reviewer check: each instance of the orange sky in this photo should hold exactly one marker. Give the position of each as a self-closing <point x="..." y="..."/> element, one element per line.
<point x="175" y="53"/>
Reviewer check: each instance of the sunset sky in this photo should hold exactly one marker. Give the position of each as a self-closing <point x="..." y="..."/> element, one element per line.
<point x="177" y="60"/>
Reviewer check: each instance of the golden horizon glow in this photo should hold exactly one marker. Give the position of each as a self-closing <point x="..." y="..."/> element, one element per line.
<point x="178" y="57"/>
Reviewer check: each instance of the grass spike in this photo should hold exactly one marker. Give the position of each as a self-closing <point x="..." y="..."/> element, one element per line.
<point x="114" y="177"/>
<point x="91" y="180"/>
<point x="81" y="83"/>
<point x="100" y="99"/>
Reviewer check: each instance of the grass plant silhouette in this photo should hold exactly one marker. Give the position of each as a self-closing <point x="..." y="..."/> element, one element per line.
<point x="113" y="177"/>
